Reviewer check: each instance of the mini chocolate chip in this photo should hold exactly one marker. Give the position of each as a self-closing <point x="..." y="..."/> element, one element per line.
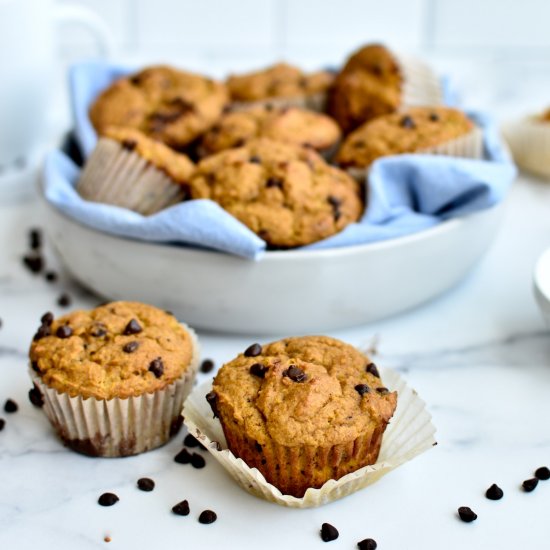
<point x="47" y="318"/>
<point x="34" y="263"/>
<point x="362" y="389"/>
<point x="274" y="182"/>
<point x="434" y="117"/>
<point x="99" y="330"/>
<point x="258" y="447"/>
<point x="129" y="144"/>
<point x="191" y="441"/>
<point x="64" y="300"/>
<point x="107" y="499"/>
<point x="329" y="532"/>
<point x="36" y="397"/>
<point x="133" y="327"/>
<point x="383" y="391"/>
<point x="10" y="406"/>
<point x="207" y="365"/>
<point x="212" y="399"/>
<point x="183" y="457"/>
<point x="466" y="514"/>
<point x="181" y="508"/>
<point x="130" y="347"/>
<point x="145" y="484"/>
<point x="2" y="424"/>
<point x="295" y="374"/>
<point x="255" y="159"/>
<point x="51" y="276"/>
<point x="157" y="367"/>
<point x="64" y="331"/>
<point x="42" y="332"/>
<point x="259" y="370"/>
<point x="34" y="365"/>
<point x="358" y="144"/>
<point x="35" y="238"/>
<point x="543" y="473"/>
<point x="207" y="516"/>
<point x="334" y="201"/>
<point x="494" y="492"/>
<point x="253" y="351"/>
<point x="407" y="122"/>
<point x="367" y="544"/>
<point x="371" y="368"/>
<point x="197" y="461"/>
<point x="530" y="484"/>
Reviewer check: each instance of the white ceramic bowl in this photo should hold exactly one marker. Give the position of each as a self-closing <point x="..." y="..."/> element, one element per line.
<point x="286" y="292"/>
<point x="541" y="282"/>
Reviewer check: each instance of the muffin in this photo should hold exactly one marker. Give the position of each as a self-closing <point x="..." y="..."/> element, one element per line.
<point x="289" y="124"/>
<point x="302" y="410"/>
<point x="166" y="104"/>
<point x="112" y="380"/>
<point x="281" y="84"/>
<point x="288" y="195"/>
<point x="130" y="170"/>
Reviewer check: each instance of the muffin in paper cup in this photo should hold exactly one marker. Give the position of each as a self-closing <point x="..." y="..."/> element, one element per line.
<point x="138" y="412"/>
<point x="409" y="433"/>
<point x="130" y="170"/>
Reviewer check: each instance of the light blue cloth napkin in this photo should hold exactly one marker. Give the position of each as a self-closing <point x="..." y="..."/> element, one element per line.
<point x="407" y="193"/>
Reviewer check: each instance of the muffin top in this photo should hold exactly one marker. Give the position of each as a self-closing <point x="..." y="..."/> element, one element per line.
<point x="286" y="194"/>
<point x="378" y="61"/>
<point x="280" y="80"/>
<point x="312" y="390"/>
<point x="405" y="132"/>
<point x="288" y="124"/>
<point x="176" y="166"/>
<point x="120" y="349"/>
<point x="168" y="105"/>
<point x="545" y="117"/>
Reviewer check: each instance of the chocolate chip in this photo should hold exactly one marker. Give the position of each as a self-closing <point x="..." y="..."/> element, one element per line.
<point x="362" y="389"/>
<point x="34" y="366"/>
<point x="133" y="327"/>
<point x="2" y="424"/>
<point x="107" y="499"/>
<point x="130" y="347"/>
<point x="145" y="484"/>
<point x="358" y="144"/>
<point x="274" y="182"/>
<point x="181" y="508"/>
<point x="494" y="492"/>
<point x="191" y="441"/>
<point x="259" y="370"/>
<point x="197" y="461"/>
<point x="335" y="202"/>
<point x="295" y="374"/>
<point x="64" y="331"/>
<point x="253" y="351"/>
<point x="42" y="332"/>
<point x="175" y="425"/>
<point x="207" y="365"/>
<point x="207" y="516"/>
<point x="258" y="447"/>
<point x="47" y="318"/>
<point x="212" y="399"/>
<point x="156" y="367"/>
<point x="255" y="159"/>
<point x="329" y="532"/>
<point x="407" y="122"/>
<point x="10" y="406"/>
<point x="129" y="144"/>
<point x="383" y="391"/>
<point x="34" y="263"/>
<point x="36" y="397"/>
<point x="367" y="544"/>
<point x="183" y="457"/>
<point x="434" y="117"/>
<point x="64" y="300"/>
<point x="530" y="484"/>
<point x="35" y="239"/>
<point x="371" y="368"/>
<point x="543" y="473"/>
<point x="51" y="276"/>
<point x="98" y="330"/>
<point x="466" y="514"/>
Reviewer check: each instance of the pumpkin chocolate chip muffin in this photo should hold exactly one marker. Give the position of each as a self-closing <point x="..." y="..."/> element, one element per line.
<point x="167" y="104"/>
<point x="302" y="410"/>
<point x="114" y="378"/>
<point x="286" y="194"/>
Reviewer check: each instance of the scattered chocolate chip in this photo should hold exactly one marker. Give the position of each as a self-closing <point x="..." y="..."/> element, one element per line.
<point x="34" y="263"/>
<point x="36" y="397"/>
<point x="371" y="368"/>
<point x="10" y="406"/>
<point x="383" y="391"/>
<point x="407" y="122"/>
<point x="133" y="327"/>
<point x="107" y="499"/>
<point x="181" y="508"/>
<point x="530" y="484"/>
<point x="274" y="182"/>
<point x="494" y="492"/>
<point x="35" y="239"/>
<point x="255" y="159"/>
<point x="434" y="117"/>
<point x="98" y="330"/>
<point x="145" y="484"/>
<point x="64" y="300"/>
<point x="51" y="276"/>
<point x="64" y="331"/>
<point x="129" y="144"/>
<point x="197" y="461"/>
<point x="191" y="441"/>
<point x="543" y="473"/>
<point x="130" y="347"/>
<point x="207" y="365"/>
<point x="42" y="332"/>
<point x="47" y="318"/>
<point x="329" y="532"/>
<point x="207" y="516"/>
<point x="156" y="366"/>
<point x="183" y="457"/>
<point x="253" y="351"/>
<point x="259" y="370"/>
<point x="362" y="389"/>
<point x="466" y="514"/>
<point x="212" y="399"/>
<point x="295" y="374"/>
<point x="2" y="424"/>
<point x="367" y="544"/>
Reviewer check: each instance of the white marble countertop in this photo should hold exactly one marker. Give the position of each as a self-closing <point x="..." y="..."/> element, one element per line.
<point x="479" y="356"/>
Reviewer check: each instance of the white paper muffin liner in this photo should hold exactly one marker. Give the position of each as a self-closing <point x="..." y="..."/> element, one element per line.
<point x="119" y="427"/>
<point x="421" y="85"/>
<point x="410" y="433"/>
<point x="529" y="140"/>
<point x="115" y="175"/>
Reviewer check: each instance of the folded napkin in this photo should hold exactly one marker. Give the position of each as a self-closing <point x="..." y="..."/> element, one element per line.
<point x="407" y="193"/>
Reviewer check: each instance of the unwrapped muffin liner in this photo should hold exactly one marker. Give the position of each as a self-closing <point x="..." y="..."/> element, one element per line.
<point x="121" y="177"/>
<point x="410" y="433"/>
<point x="119" y="427"/>
<point x="529" y="140"/>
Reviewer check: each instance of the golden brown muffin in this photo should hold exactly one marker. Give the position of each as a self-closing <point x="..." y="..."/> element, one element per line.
<point x="289" y="124"/>
<point x="545" y="117"/>
<point x="286" y="194"/>
<point x="168" y="105"/>
<point x="411" y="131"/>
<point x="302" y="410"/>
<point x="369" y="85"/>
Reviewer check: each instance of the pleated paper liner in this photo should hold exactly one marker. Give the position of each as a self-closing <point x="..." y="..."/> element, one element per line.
<point x="115" y="175"/>
<point x="119" y="427"/>
<point x="409" y="434"/>
<point x="421" y="85"/>
<point x="529" y="140"/>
